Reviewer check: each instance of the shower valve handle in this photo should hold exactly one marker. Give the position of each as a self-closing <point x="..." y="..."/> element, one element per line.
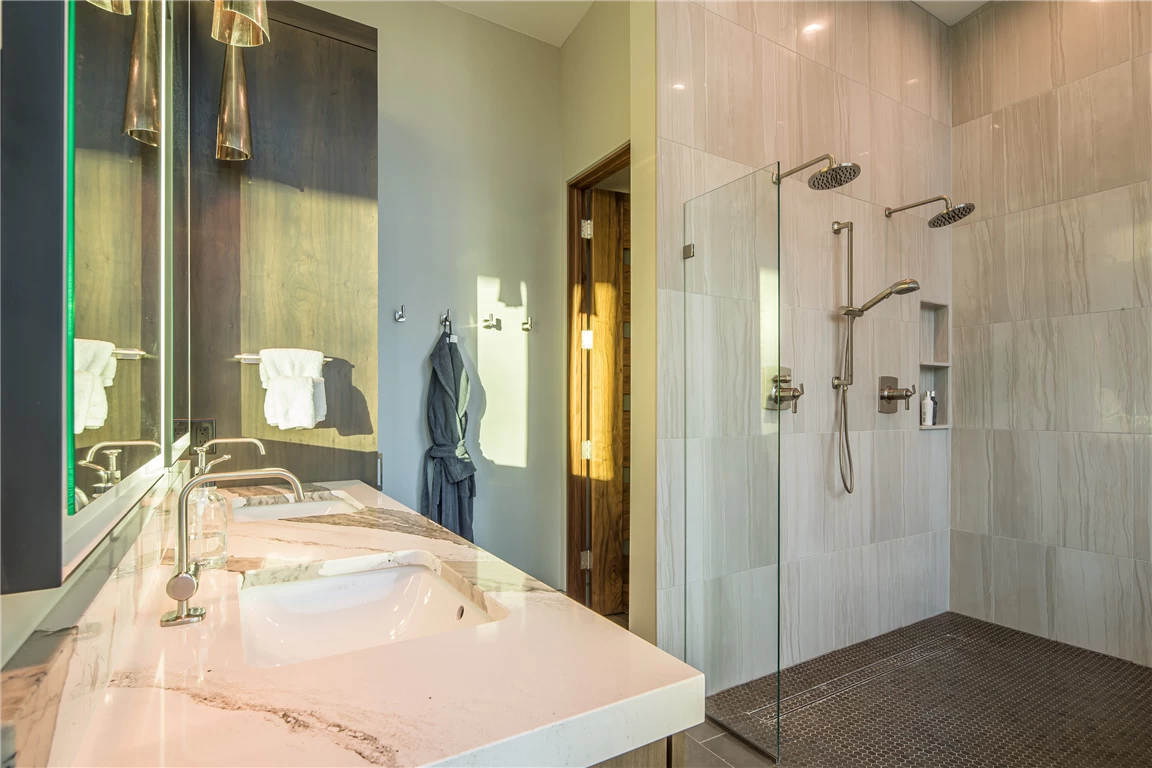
<point x="898" y="393"/>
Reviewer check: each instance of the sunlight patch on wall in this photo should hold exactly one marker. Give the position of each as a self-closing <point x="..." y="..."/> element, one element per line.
<point x="502" y="361"/>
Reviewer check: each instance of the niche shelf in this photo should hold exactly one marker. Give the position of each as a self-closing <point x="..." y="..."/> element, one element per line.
<point x="936" y="359"/>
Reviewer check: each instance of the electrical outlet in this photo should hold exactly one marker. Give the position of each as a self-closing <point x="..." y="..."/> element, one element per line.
<point x="179" y="429"/>
<point x="203" y="430"/>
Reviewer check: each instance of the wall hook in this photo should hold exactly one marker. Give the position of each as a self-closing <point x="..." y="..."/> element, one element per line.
<point x="491" y="322"/>
<point x="399" y="314"/>
<point x="526" y="325"/>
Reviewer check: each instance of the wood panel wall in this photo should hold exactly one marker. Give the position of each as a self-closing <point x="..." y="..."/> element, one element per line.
<point x="117" y="244"/>
<point x="284" y="245"/>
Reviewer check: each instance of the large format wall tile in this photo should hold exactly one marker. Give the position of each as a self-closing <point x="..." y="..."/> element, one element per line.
<point x="681" y="113"/>
<point x="972" y="69"/>
<point x="885" y="37"/>
<point x="972" y="463"/>
<point x="740" y="506"/>
<point x="670" y="621"/>
<point x="975" y="248"/>
<point x="722" y="228"/>
<point x="1103" y="131"/>
<point x="723" y="376"/>
<point x="1100" y="602"/>
<point x="670" y="386"/>
<point x="732" y="627"/>
<point x="1092" y="36"/>
<point x="1023" y="59"/>
<point x="972" y="377"/>
<point x="1078" y="373"/>
<point x="1030" y="151"/>
<point x="1019" y="585"/>
<point x="734" y="77"/>
<point x="670" y="508"/>
<point x="970" y="579"/>
<point x="1078" y="490"/>
<point x="978" y="167"/>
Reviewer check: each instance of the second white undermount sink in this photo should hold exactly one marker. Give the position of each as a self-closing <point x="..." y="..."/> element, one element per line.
<point x="297" y="613"/>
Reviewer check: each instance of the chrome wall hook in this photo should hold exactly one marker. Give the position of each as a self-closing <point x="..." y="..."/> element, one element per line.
<point x="493" y="323"/>
<point x="526" y="325"/>
<point x="399" y="314"/>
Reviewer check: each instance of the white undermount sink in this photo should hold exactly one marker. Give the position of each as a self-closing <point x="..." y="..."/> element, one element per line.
<point x="296" y="613"/>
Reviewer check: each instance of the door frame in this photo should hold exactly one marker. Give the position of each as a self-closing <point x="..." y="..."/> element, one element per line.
<point x="575" y="505"/>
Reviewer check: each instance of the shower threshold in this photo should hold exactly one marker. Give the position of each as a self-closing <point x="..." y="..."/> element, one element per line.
<point x="949" y="690"/>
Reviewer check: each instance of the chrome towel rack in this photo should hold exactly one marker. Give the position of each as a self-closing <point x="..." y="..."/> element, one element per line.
<point x="129" y="354"/>
<point x="251" y="358"/>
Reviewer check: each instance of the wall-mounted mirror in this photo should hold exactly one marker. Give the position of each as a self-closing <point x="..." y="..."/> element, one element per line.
<point x="97" y="338"/>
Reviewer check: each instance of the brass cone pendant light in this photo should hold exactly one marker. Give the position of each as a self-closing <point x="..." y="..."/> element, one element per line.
<point x="240" y="22"/>
<point x="233" y="130"/>
<point x="119" y="7"/>
<point x="142" y="103"/>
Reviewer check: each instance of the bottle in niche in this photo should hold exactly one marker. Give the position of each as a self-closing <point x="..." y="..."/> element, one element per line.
<point x="935" y="409"/>
<point x="926" y="410"/>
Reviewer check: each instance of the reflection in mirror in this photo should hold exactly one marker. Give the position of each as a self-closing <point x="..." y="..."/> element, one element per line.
<point x="116" y="384"/>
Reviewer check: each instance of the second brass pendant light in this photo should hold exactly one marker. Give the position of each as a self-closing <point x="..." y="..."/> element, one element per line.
<point x="238" y="24"/>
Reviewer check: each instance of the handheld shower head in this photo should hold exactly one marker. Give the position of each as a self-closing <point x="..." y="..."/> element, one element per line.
<point x="831" y="176"/>
<point x="898" y="288"/>
<point x="950" y="215"/>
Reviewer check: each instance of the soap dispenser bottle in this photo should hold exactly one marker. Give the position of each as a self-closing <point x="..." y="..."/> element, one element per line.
<point x="926" y="409"/>
<point x="208" y="519"/>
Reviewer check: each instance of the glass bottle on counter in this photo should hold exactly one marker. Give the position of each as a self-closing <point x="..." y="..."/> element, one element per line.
<point x="208" y="520"/>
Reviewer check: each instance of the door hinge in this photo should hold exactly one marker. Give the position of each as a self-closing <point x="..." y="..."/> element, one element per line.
<point x="586" y="229"/>
<point x="586" y="449"/>
<point x="689" y="250"/>
<point x="586" y="339"/>
<point x="586" y="560"/>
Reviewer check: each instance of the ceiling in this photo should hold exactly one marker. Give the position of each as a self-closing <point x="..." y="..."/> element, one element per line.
<point x="548" y="20"/>
<point x="950" y="11"/>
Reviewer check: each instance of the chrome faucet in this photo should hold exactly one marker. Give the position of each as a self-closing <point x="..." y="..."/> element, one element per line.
<point x="183" y="585"/>
<point x="111" y="475"/>
<point x="202" y="466"/>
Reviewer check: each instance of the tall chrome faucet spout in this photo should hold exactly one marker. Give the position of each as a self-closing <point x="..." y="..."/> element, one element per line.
<point x="183" y="585"/>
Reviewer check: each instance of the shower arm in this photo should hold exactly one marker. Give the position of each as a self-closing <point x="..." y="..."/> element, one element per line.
<point x="778" y="177"/>
<point x="889" y="211"/>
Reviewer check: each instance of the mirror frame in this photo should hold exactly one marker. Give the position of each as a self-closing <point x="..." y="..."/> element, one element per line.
<point x="34" y="482"/>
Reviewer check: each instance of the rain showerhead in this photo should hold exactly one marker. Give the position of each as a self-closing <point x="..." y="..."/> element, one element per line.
<point x="831" y="176"/>
<point x="950" y="215"/>
<point x="898" y="288"/>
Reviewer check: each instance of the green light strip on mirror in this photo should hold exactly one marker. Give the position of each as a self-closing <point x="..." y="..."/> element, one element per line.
<point x="70" y="246"/>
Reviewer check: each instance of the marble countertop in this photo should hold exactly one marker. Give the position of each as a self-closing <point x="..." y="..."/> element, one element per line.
<point x="552" y="683"/>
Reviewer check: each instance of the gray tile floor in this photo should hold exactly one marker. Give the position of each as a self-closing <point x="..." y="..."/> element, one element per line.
<point x="947" y="691"/>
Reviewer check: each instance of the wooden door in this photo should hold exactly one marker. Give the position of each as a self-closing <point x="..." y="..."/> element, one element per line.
<point x="605" y="402"/>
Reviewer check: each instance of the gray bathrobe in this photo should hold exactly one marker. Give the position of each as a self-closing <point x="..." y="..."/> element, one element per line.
<point x="449" y="484"/>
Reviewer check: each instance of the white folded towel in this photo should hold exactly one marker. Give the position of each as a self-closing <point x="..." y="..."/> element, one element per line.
<point x="294" y="382"/>
<point x="94" y="368"/>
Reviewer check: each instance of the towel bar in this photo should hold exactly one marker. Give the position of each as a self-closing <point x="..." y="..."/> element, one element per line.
<point x="251" y="358"/>
<point x="128" y="354"/>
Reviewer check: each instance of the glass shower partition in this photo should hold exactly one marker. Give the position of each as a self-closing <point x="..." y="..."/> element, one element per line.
<point x="733" y="393"/>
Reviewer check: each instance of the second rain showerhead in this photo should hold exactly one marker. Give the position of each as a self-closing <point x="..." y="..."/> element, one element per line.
<point x="950" y="215"/>
<point x="831" y="176"/>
